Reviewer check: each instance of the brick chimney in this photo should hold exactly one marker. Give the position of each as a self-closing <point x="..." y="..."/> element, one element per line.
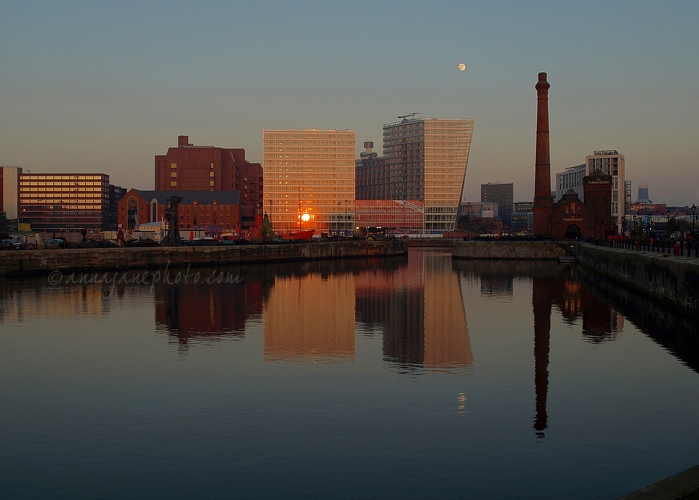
<point x="543" y="203"/>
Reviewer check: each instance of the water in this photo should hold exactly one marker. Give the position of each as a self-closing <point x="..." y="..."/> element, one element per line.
<point x="416" y="377"/>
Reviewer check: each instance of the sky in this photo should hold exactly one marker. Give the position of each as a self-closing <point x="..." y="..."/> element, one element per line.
<point x="104" y="86"/>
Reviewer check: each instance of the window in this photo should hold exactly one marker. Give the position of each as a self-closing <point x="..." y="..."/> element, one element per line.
<point x="173" y="183"/>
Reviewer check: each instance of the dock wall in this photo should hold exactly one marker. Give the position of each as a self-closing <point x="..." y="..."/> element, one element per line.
<point x="672" y="281"/>
<point x="510" y="250"/>
<point x="21" y="262"/>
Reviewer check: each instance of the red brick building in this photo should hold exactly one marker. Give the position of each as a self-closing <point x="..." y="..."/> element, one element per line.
<point x="574" y="219"/>
<point x="208" y="168"/>
<point x="197" y="209"/>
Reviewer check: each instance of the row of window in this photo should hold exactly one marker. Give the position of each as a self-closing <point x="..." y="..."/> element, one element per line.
<point x="58" y="196"/>
<point x="38" y="177"/>
<point x="54" y="183"/>
<point x="60" y="208"/>
<point x="43" y="189"/>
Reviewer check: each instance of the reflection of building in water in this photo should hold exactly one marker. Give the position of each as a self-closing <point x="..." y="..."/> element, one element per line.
<point x="27" y="302"/>
<point x="496" y="285"/>
<point x="420" y="312"/>
<point x="404" y="327"/>
<point x="193" y="310"/>
<point x="599" y="321"/>
<point x="446" y="334"/>
<point x="310" y="316"/>
<point x="574" y="300"/>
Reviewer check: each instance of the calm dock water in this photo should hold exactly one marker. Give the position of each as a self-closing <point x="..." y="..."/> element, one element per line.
<point x="407" y="377"/>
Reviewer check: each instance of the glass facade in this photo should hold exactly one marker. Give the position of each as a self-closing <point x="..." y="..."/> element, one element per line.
<point x="427" y="161"/>
<point x="309" y="179"/>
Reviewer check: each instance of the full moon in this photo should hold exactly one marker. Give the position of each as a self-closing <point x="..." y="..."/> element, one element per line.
<point x="462" y="67"/>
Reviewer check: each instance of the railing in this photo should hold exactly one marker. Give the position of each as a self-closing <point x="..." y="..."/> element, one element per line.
<point x="679" y="248"/>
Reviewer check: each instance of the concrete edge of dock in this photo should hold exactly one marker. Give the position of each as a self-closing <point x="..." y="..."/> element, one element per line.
<point x="682" y="486"/>
<point x="37" y="262"/>
<point x="672" y="281"/>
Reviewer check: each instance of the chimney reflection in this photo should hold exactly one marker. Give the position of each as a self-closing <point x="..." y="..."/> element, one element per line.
<point x="574" y="301"/>
<point x="541" y="300"/>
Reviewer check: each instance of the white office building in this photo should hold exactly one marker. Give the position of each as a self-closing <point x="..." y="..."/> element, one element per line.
<point x="612" y="163"/>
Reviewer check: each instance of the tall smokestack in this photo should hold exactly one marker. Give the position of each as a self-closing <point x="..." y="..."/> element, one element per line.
<point x="543" y="204"/>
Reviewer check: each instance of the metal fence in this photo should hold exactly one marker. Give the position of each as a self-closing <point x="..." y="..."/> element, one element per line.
<point x="687" y="248"/>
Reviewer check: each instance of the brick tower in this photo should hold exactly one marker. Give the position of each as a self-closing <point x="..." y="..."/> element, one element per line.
<point x="543" y="203"/>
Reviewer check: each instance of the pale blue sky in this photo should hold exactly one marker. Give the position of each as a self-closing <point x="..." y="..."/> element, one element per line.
<point x="105" y="86"/>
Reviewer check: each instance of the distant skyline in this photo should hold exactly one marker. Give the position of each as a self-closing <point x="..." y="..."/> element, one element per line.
<point x="105" y="86"/>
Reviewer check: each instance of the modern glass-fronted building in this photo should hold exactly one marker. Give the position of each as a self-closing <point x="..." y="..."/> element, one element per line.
<point x="423" y="160"/>
<point x="309" y="179"/>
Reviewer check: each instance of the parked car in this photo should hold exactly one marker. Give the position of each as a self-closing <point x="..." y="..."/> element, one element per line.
<point x="7" y="245"/>
<point x="54" y="244"/>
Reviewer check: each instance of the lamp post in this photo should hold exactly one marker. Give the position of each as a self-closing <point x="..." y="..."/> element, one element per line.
<point x="694" y="236"/>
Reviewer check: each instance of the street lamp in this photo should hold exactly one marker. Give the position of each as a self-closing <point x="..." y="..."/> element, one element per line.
<point x="694" y="217"/>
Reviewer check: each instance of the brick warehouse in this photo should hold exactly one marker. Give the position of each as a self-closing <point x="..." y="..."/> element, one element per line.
<point x="197" y="208"/>
<point x="209" y="168"/>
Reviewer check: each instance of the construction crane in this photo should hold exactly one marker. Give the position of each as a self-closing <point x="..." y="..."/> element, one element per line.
<point x="405" y="117"/>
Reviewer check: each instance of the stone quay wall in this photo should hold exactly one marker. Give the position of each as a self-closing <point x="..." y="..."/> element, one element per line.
<point x="672" y="281"/>
<point x="510" y="250"/>
<point x="22" y="262"/>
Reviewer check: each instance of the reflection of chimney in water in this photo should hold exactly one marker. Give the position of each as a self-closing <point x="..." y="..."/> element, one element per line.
<point x="541" y="301"/>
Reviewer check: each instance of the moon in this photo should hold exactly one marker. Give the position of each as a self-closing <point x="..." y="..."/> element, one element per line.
<point x="462" y="67"/>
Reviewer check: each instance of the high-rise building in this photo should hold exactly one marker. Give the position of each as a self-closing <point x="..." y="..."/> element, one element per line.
<point x="9" y="191"/>
<point x="427" y="161"/>
<point x="611" y="163"/>
<point x="309" y="179"/>
<point x="64" y="201"/>
<point x="424" y="161"/>
<point x="208" y="168"/>
<point x="502" y="194"/>
<point x="372" y="175"/>
<point x="116" y="193"/>
<point x="571" y="178"/>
